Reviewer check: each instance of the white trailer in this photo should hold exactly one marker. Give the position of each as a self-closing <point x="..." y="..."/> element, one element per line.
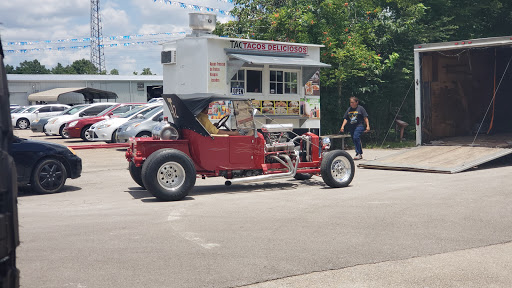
<point x="463" y="103"/>
<point x="281" y="77"/>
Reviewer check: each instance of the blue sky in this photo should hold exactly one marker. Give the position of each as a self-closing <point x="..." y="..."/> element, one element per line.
<point x="36" y="20"/>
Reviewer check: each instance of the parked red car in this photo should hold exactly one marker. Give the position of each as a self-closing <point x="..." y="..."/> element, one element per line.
<point x="78" y="128"/>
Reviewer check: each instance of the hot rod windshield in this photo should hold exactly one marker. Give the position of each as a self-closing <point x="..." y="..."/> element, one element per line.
<point x="183" y="108"/>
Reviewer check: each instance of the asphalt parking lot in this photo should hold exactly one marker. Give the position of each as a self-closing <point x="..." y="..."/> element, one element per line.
<point x="388" y="229"/>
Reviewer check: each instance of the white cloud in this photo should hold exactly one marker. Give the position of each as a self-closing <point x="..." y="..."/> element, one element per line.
<point x="115" y="20"/>
<point x="30" y="20"/>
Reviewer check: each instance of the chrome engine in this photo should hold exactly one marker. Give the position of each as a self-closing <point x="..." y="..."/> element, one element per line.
<point x="277" y="139"/>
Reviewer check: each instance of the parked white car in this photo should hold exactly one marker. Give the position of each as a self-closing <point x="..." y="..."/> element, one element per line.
<point x="23" y="120"/>
<point x="106" y="130"/>
<point x="56" y="125"/>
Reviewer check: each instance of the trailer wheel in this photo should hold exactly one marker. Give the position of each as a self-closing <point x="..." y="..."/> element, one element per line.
<point x="168" y="174"/>
<point x="303" y="176"/>
<point x="337" y="169"/>
<point x="136" y="173"/>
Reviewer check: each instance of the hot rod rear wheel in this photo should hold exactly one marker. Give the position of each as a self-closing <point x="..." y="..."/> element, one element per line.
<point x="136" y="173"/>
<point x="337" y="169"/>
<point x="303" y="176"/>
<point x="169" y="174"/>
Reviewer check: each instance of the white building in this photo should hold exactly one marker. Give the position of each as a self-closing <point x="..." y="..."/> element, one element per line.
<point x="136" y="88"/>
<point x="282" y="77"/>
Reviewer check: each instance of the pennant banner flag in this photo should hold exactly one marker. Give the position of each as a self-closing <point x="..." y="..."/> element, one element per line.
<point x="198" y="7"/>
<point x="88" y="39"/>
<point x="81" y="47"/>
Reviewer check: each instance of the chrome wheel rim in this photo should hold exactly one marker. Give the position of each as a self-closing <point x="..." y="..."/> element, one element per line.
<point x="65" y="134"/>
<point x="23" y="124"/>
<point x="88" y="135"/>
<point x="50" y="176"/>
<point x="341" y="169"/>
<point x="171" y="176"/>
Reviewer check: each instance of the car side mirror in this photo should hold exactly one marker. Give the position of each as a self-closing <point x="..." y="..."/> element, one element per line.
<point x="161" y="118"/>
<point x="81" y="114"/>
<point x="139" y="116"/>
<point x="110" y="114"/>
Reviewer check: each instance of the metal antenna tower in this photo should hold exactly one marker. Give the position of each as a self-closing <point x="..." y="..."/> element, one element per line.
<point x="97" y="55"/>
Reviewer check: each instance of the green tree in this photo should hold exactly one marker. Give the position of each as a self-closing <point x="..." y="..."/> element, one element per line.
<point x="59" y="69"/>
<point x="9" y="69"/>
<point x="84" y="66"/>
<point x="146" y="71"/>
<point x="31" y="67"/>
<point x="114" y="72"/>
<point x="135" y="73"/>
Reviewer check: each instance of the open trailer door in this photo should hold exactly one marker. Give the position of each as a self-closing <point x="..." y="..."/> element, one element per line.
<point x="463" y="104"/>
<point x="440" y="159"/>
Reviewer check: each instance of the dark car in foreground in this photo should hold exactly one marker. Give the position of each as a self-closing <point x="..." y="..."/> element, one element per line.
<point x="44" y="166"/>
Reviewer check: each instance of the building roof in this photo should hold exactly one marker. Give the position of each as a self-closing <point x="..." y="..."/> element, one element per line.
<point x="82" y="77"/>
<point x="89" y="93"/>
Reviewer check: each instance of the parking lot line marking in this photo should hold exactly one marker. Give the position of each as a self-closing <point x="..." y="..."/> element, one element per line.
<point x="175" y="215"/>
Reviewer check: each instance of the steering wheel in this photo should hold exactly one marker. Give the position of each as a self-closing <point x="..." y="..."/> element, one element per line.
<point x="222" y="122"/>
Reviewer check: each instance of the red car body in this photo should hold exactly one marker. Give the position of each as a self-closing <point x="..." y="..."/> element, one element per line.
<point x="213" y="155"/>
<point x="84" y="123"/>
<point x="168" y="167"/>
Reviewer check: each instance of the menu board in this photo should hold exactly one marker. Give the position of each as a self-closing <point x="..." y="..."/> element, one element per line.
<point x="312" y="87"/>
<point x="277" y="107"/>
<point x="218" y="109"/>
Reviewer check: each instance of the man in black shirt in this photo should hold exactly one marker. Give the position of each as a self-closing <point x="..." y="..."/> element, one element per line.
<point x="358" y="119"/>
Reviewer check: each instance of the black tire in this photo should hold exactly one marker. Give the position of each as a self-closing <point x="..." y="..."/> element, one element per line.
<point x="84" y="134"/>
<point x="303" y="176"/>
<point x="136" y="173"/>
<point x="61" y="132"/>
<point x="180" y="167"/>
<point x="49" y="176"/>
<point x="144" y="134"/>
<point x="330" y="172"/>
<point x="23" y="123"/>
<point x="113" y="138"/>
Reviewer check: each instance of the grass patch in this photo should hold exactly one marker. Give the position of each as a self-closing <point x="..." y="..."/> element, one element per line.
<point x="392" y="145"/>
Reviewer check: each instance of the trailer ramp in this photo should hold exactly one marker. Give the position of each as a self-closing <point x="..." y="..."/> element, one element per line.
<point x="440" y="159"/>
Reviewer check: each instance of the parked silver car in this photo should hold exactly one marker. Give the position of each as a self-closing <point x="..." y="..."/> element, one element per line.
<point x="139" y="127"/>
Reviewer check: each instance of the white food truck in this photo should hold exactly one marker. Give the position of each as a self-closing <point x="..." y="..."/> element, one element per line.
<point x="282" y="78"/>
<point x="463" y="102"/>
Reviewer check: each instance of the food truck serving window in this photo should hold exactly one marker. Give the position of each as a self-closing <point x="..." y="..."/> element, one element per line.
<point x="283" y="82"/>
<point x="248" y="80"/>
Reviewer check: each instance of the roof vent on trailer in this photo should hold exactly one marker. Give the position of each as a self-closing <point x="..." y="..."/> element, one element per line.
<point x="202" y="23"/>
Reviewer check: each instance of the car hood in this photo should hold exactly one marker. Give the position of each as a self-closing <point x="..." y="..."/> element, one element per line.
<point x="116" y="122"/>
<point x="64" y="118"/>
<point x="35" y="145"/>
<point x="92" y="119"/>
<point x="17" y="115"/>
<point x="132" y="122"/>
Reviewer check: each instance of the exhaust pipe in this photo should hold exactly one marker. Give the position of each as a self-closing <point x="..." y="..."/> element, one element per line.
<point x="291" y="172"/>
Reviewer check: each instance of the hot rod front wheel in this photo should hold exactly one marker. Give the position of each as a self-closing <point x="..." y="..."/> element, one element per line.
<point x="168" y="174"/>
<point x="337" y="169"/>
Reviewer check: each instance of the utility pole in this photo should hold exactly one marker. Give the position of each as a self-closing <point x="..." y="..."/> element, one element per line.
<point x="97" y="54"/>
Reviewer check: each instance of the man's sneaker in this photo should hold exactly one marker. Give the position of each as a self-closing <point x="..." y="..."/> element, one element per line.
<point x="358" y="157"/>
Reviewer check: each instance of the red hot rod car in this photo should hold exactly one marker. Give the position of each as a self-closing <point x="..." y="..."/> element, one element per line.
<point x="168" y="164"/>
